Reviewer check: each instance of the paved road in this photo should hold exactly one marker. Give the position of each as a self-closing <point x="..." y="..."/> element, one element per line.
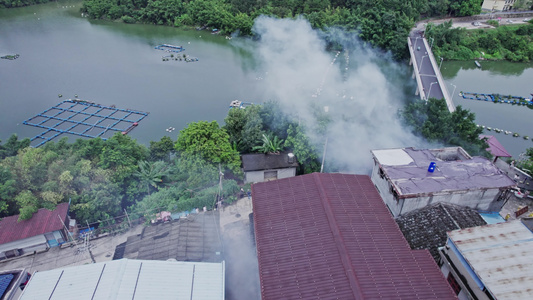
<point x="427" y="74"/>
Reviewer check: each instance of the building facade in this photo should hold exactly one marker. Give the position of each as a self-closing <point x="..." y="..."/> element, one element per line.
<point x="408" y="179"/>
<point x="497" y="5"/>
<point x="45" y="229"/>
<point x="259" y="167"/>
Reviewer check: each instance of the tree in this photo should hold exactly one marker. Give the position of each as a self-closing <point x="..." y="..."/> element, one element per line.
<point x="8" y="191"/>
<point x="12" y="146"/>
<point x="434" y="122"/>
<point x="162" y="150"/>
<point x="28" y="203"/>
<point x="210" y="142"/>
<point x="271" y="144"/>
<point x="151" y="173"/>
<point x="244" y="127"/>
<point x="121" y="154"/>
<point x="302" y="148"/>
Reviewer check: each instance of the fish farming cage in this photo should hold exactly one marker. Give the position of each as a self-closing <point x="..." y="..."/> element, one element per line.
<point x="170" y="48"/>
<point x="83" y="119"/>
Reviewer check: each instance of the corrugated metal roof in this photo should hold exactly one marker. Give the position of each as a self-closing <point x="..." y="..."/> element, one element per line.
<point x="500" y="255"/>
<point x="130" y="279"/>
<point x="412" y="178"/>
<point x="260" y="161"/>
<point x="495" y="147"/>
<point x="42" y="221"/>
<point x="330" y="236"/>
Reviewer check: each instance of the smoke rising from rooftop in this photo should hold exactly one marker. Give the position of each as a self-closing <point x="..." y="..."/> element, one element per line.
<point x="361" y="88"/>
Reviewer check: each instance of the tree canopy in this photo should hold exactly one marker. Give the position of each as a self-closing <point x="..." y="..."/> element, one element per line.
<point x="434" y="122"/>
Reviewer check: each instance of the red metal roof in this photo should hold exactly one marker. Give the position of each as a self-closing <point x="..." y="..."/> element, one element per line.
<point x="330" y="236"/>
<point x="42" y="221"/>
<point x="495" y="148"/>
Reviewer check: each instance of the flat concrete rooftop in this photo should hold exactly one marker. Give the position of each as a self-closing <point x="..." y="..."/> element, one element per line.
<point x="407" y="169"/>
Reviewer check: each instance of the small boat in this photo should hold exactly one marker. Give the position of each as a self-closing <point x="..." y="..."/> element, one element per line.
<point x="477" y="63"/>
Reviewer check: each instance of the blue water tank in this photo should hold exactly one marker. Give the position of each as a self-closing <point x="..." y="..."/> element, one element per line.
<point x="432" y="166"/>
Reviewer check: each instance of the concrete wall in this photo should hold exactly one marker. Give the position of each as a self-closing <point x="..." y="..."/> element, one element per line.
<point x="28" y="245"/>
<point x="383" y="187"/>
<point x="259" y="176"/>
<point x="463" y="278"/>
<point x="481" y="199"/>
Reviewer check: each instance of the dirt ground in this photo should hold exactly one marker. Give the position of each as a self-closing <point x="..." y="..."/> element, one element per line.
<point x="242" y="275"/>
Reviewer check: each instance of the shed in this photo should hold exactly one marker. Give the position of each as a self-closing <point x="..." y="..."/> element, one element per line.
<point x="259" y="167"/>
<point x="129" y="279"/>
<point x="45" y="229"/>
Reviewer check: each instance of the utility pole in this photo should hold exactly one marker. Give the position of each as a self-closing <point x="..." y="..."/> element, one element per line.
<point x="127" y="217"/>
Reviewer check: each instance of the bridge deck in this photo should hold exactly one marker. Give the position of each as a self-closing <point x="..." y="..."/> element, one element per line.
<point x="426" y="71"/>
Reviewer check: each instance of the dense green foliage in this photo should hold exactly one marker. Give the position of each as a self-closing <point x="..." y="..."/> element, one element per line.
<point x="527" y="164"/>
<point x="19" y="3"/>
<point x="102" y="178"/>
<point x="514" y="43"/>
<point x="434" y="122"/>
<point x="379" y="22"/>
<point x="266" y="128"/>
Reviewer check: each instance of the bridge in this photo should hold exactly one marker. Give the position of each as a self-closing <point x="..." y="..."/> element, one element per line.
<point x="426" y="71"/>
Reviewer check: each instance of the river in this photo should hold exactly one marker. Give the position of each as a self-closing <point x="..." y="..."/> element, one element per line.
<point x="504" y="78"/>
<point x="115" y="64"/>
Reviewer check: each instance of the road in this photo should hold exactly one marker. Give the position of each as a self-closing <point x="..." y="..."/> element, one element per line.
<point x="428" y="76"/>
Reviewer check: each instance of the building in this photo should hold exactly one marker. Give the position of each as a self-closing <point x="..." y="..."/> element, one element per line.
<point x="409" y="179"/>
<point x="194" y="238"/>
<point x="259" y="167"/>
<point x="497" y="5"/>
<point x="129" y="279"/>
<point x="426" y="228"/>
<point x="11" y="283"/>
<point x="45" y="229"/>
<point x="330" y="236"/>
<point x="490" y="262"/>
<point x="495" y="147"/>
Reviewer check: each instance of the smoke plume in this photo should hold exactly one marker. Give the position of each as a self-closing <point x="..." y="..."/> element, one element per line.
<point x="357" y="88"/>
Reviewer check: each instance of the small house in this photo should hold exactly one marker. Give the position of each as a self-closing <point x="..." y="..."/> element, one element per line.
<point x="259" y="167"/>
<point x="45" y="229"/>
<point x="408" y="179"/>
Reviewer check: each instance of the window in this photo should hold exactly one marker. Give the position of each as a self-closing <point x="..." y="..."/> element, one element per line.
<point x="453" y="283"/>
<point x="381" y="173"/>
<point x="271" y="175"/>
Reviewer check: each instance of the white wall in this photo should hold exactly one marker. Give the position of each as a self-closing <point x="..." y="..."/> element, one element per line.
<point x="259" y="176"/>
<point x="36" y="243"/>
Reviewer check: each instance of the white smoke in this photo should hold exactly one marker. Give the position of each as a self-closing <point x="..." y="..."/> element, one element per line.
<point x="361" y="88"/>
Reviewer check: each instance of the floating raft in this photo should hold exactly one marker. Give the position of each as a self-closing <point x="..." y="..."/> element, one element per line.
<point x="10" y="57"/>
<point x="497" y="98"/>
<point x="85" y="119"/>
<point x="170" y="48"/>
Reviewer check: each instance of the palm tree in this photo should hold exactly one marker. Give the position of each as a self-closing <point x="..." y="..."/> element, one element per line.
<point x="151" y="173"/>
<point x="271" y="144"/>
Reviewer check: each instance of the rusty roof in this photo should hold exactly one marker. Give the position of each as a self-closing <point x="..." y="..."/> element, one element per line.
<point x="330" y="236"/>
<point x="41" y="222"/>
<point x="500" y="255"/>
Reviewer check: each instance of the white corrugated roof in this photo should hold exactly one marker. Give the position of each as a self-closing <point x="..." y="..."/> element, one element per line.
<point x="501" y="255"/>
<point x="130" y="279"/>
